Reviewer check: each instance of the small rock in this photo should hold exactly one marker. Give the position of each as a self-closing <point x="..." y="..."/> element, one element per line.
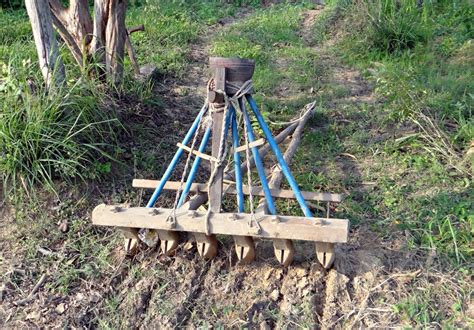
<point x="301" y="272"/>
<point x="302" y="283"/>
<point x="61" y="308"/>
<point x="275" y="295"/>
<point x="63" y="227"/>
<point x="34" y="315"/>
<point x="95" y="296"/>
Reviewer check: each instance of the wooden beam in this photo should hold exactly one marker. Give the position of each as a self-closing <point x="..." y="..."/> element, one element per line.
<point x="230" y="189"/>
<point x="253" y="144"/>
<point x="282" y="227"/>
<point x="197" y="152"/>
<point x="215" y="192"/>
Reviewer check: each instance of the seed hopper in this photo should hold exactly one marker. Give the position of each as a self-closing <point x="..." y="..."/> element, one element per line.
<point x="225" y="121"/>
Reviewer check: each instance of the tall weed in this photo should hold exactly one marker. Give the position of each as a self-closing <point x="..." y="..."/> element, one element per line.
<point x="47" y="136"/>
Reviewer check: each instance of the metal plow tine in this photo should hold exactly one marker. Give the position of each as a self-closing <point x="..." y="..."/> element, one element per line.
<point x="245" y="249"/>
<point x="284" y="251"/>
<point x="206" y="245"/>
<point x="130" y="241"/>
<point x="325" y="253"/>
<point x="169" y="241"/>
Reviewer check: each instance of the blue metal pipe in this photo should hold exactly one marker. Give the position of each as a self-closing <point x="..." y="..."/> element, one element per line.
<point x="194" y="168"/>
<point x="279" y="156"/>
<point x="197" y="161"/>
<point x="238" y="172"/>
<point x="258" y="161"/>
<point x="176" y="158"/>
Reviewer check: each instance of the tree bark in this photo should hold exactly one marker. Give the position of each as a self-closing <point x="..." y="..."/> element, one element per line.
<point x="101" y="12"/>
<point x="51" y="65"/>
<point x="74" y="24"/>
<point x="101" y="41"/>
<point x="115" y="35"/>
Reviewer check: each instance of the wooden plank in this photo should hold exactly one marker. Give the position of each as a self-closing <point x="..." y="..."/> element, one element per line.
<point x="197" y="152"/>
<point x="253" y="144"/>
<point x="215" y="191"/>
<point x="282" y="227"/>
<point x="230" y="189"/>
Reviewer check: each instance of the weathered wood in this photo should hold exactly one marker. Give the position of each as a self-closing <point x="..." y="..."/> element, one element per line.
<point x="215" y="191"/>
<point x="115" y="35"/>
<point x="263" y="151"/>
<point x="132" y="55"/>
<point x="196" y="152"/>
<point x="101" y="8"/>
<point x="41" y="21"/>
<point x="283" y="227"/>
<point x="256" y="143"/>
<point x="75" y="26"/>
<point x="230" y="189"/>
<point x="137" y="28"/>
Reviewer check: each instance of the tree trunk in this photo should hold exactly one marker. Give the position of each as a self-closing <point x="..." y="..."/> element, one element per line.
<point x="74" y="24"/>
<point x="101" y="12"/>
<point x="115" y="34"/>
<point x="100" y="41"/>
<point x="51" y="65"/>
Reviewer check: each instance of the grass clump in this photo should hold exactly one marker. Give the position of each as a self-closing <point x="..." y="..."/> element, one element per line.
<point x="395" y="26"/>
<point x="47" y="136"/>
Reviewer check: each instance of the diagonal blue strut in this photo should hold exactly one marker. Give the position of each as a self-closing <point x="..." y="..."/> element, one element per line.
<point x="238" y="172"/>
<point x="258" y="161"/>
<point x="274" y="146"/>
<point x="176" y="157"/>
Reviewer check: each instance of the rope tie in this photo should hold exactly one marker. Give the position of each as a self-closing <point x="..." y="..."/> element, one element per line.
<point x="249" y="173"/>
<point x="172" y="217"/>
<point x="216" y="107"/>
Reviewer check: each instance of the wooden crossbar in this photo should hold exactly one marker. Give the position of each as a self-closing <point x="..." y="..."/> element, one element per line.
<point x="230" y="189"/>
<point x="253" y="144"/>
<point x="197" y="153"/>
<point x="283" y="227"/>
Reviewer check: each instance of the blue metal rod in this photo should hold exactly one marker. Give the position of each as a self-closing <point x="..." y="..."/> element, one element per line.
<point x="238" y="172"/>
<point x="176" y="158"/>
<point x="258" y="161"/>
<point x="194" y="168"/>
<point x="279" y="156"/>
<point x="197" y="161"/>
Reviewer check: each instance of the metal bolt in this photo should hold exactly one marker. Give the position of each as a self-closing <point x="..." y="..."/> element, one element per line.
<point x="155" y="211"/>
<point x="233" y="217"/>
<point x="192" y="213"/>
<point x="117" y="209"/>
<point x="254" y="231"/>
<point x="275" y="219"/>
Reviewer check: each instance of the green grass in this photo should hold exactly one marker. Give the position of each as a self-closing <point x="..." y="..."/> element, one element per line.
<point x="47" y="136"/>
<point x="171" y="26"/>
